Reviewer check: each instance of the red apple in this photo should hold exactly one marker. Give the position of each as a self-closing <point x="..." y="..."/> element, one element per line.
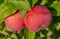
<point x="39" y="17"/>
<point x="14" y="22"/>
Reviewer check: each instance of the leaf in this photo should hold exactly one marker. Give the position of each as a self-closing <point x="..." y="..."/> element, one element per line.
<point x="50" y="33"/>
<point x="14" y="36"/>
<point x="5" y="29"/>
<point x="20" y="34"/>
<point x="2" y="38"/>
<point x="6" y="9"/>
<point x="44" y="2"/>
<point x="25" y="33"/>
<point x="23" y="37"/>
<point x="34" y="2"/>
<point x="48" y="37"/>
<point x="4" y="33"/>
<point x="56" y="5"/>
<point x="28" y="34"/>
<point x="22" y="6"/>
<point x="42" y="35"/>
<point x="58" y="26"/>
<point x="8" y="38"/>
<point x="31" y="35"/>
<point x="9" y="7"/>
<point x="1" y="1"/>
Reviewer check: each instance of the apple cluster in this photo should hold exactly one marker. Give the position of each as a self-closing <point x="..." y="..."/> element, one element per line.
<point x="36" y="19"/>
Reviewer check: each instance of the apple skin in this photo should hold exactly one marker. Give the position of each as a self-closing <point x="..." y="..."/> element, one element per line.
<point x="14" y="22"/>
<point x="38" y="18"/>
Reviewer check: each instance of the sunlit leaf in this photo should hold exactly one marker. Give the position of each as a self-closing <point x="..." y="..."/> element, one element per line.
<point x="56" y="5"/>
<point x="58" y="26"/>
<point x="31" y="35"/>
<point x="14" y="36"/>
<point x="34" y="2"/>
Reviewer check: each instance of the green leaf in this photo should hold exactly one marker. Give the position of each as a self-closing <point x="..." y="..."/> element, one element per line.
<point x="20" y="34"/>
<point x="44" y="2"/>
<point x="28" y="34"/>
<point x="42" y="35"/>
<point x="23" y="6"/>
<point x="9" y="7"/>
<point x="56" y="5"/>
<point x="6" y="9"/>
<point x="1" y="1"/>
<point x="8" y="38"/>
<point x="23" y="37"/>
<point x="25" y="33"/>
<point x="5" y="29"/>
<point x="4" y="33"/>
<point x="50" y="33"/>
<point x="34" y="2"/>
<point x="49" y="38"/>
<point x="2" y="38"/>
<point x="31" y="35"/>
<point x="58" y="26"/>
<point x="14" y="36"/>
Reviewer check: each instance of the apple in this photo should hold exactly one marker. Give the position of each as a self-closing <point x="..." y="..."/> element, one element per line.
<point x="14" y="22"/>
<point x="38" y="18"/>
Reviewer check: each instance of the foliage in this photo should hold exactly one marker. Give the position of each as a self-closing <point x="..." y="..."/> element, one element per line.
<point x="8" y="7"/>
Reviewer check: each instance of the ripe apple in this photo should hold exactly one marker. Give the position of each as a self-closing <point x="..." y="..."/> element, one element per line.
<point x="38" y="18"/>
<point x="14" y="22"/>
